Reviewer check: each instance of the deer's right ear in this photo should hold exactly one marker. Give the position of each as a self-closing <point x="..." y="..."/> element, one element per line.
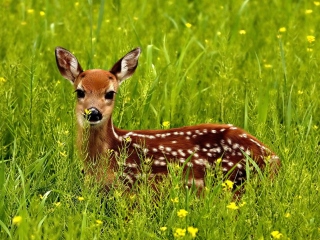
<point x="126" y="66"/>
<point x="68" y="64"/>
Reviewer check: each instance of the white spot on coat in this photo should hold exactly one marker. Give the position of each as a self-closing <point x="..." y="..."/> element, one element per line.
<point x="168" y="149"/>
<point x="230" y="164"/>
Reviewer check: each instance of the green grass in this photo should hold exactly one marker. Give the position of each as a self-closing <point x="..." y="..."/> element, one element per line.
<point x="197" y="66"/>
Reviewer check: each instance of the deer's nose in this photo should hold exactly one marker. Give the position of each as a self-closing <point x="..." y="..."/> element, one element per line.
<point x="92" y="114"/>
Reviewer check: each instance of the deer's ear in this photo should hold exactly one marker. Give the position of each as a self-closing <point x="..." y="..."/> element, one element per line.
<point x="126" y="66"/>
<point x="68" y="64"/>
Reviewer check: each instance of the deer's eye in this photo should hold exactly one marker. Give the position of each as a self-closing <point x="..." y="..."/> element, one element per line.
<point x="109" y="95"/>
<point x="80" y="93"/>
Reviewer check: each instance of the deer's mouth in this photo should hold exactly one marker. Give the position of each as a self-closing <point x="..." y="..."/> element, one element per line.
<point x="94" y="123"/>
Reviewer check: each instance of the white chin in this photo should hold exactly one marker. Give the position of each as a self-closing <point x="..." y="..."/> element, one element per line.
<point x="83" y="123"/>
<point x="94" y="123"/>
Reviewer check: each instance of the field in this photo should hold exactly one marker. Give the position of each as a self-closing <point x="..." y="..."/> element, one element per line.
<point x="250" y="63"/>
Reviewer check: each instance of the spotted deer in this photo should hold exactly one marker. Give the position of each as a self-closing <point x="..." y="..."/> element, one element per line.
<point x="198" y="148"/>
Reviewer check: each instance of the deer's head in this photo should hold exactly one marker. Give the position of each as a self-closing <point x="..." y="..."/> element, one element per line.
<point x="95" y="88"/>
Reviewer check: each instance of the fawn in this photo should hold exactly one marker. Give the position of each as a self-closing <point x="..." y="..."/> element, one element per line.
<point x="195" y="147"/>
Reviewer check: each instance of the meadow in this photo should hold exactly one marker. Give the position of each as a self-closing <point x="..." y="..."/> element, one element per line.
<point x="250" y="63"/>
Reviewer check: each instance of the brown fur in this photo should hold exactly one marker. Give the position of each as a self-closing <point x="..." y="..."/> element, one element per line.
<point x="197" y="148"/>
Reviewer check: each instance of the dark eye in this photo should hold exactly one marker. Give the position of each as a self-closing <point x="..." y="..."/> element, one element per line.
<point x="80" y="93"/>
<point x="109" y="95"/>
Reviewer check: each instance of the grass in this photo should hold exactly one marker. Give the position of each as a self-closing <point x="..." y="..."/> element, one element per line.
<point x="249" y="63"/>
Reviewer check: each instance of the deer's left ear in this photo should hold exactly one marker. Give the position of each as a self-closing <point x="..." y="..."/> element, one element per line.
<point x="126" y="66"/>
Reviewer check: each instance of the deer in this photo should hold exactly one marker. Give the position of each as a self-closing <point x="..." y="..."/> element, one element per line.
<point x="196" y="148"/>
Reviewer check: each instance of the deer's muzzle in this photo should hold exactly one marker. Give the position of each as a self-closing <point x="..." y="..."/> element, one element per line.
<point x="93" y="115"/>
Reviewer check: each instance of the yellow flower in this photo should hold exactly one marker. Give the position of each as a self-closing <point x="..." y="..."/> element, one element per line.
<point x="175" y="200"/>
<point x="282" y="29"/>
<point x="148" y="160"/>
<point x="177" y="167"/>
<point x="179" y="232"/>
<point x="300" y="92"/>
<point x="287" y="215"/>
<point x="132" y="196"/>
<point x="30" y="11"/>
<point x="309" y="11"/>
<point x="268" y="66"/>
<point x="182" y="213"/>
<point x="166" y="124"/>
<point x="317" y="3"/>
<point x="2" y="79"/>
<point x="188" y="25"/>
<point x="227" y="185"/>
<point x="17" y="220"/>
<point x="163" y="229"/>
<point x="315" y="127"/>
<point x="63" y="154"/>
<point x="42" y="13"/>
<point x="311" y="38"/>
<point x="80" y="198"/>
<point x="76" y="4"/>
<point x="193" y="231"/>
<point x="127" y="139"/>
<point x="242" y="32"/>
<point x="233" y="206"/>
<point x="276" y="234"/>
<point x="309" y="50"/>
<point x="219" y="160"/>
<point x="109" y="151"/>
<point x="87" y="111"/>
<point x="98" y="222"/>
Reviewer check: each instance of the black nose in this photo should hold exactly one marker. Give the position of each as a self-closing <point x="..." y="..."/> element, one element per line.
<point x="92" y="115"/>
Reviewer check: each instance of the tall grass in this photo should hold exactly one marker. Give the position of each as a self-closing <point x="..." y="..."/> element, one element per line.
<point x="250" y="63"/>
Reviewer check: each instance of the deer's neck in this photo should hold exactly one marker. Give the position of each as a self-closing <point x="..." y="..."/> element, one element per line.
<point x="96" y="144"/>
